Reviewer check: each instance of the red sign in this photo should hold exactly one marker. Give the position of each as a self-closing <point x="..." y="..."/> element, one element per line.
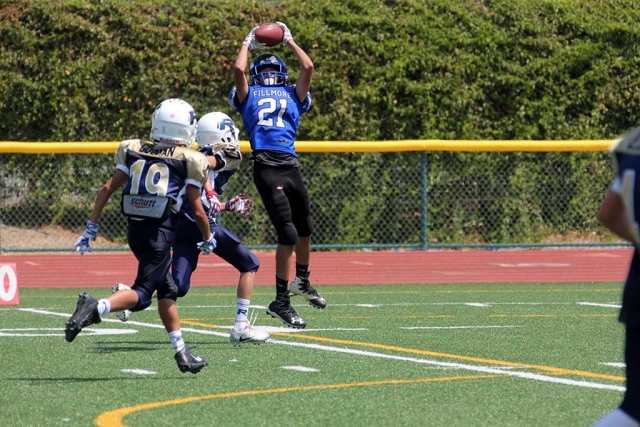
<point x="9" y="285"/>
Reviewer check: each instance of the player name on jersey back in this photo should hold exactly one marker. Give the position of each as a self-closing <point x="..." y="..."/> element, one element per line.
<point x="158" y="175"/>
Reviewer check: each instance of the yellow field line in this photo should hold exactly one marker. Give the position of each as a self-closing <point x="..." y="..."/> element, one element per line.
<point x="114" y="418"/>
<point x="550" y="369"/>
<point x="553" y="315"/>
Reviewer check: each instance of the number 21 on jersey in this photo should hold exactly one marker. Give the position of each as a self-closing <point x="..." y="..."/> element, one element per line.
<point x="267" y="107"/>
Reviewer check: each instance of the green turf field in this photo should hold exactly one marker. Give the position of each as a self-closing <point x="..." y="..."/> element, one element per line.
<point x="431" y="355"/>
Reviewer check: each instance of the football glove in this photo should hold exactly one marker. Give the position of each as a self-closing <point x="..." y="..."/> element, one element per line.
<point x="240" y="204"/>
<point x="208" y="246"/>
<point x="90" y="233"/>
<point x="251" y="41"/>
<point x="287" y="33"/>
<point x="214" y="204"/>
<point x="250" y="37"/>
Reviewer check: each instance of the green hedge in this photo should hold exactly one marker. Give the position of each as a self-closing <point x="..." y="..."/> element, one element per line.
<point x="385" y="70"/>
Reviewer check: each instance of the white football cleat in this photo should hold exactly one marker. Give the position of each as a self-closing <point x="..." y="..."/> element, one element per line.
<point x="123" y="315"/>
<point x="248" y="334"/>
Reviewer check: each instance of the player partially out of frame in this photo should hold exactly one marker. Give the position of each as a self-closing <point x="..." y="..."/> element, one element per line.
<point x="620" y="213"/>
<point x="154" y="174"/>
<point x="217" y="138"/>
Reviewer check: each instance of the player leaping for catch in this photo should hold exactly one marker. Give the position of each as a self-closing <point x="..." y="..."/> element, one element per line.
<point x="270" y="112"/>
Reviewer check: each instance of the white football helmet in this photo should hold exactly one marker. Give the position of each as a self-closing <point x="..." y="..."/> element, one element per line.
<point x="214" y="128"/>
<point x="173" y="123"/>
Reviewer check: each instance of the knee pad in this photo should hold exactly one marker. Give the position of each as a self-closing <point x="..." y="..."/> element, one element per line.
<point x="170" y="292"/>
<point x="144" y="300"/>
<point x="287" y="234"/>
<point x="182" y="287"/>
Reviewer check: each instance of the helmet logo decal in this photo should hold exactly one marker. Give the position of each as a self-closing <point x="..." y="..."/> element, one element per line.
<point x="226" y="123"/>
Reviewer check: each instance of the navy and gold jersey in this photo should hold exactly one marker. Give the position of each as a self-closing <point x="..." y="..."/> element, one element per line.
<point x="271" y="115"/>
<point x="158" y="175"/>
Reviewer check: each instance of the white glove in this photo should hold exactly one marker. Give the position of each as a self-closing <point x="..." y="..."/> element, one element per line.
<point x="90" y="233"/>
<point x="208" y="246"/>
<point x="239" y="204"/>
<point x="214" y="204"/>
<point x="287" y="33"/>
<point x="250" y="37"/>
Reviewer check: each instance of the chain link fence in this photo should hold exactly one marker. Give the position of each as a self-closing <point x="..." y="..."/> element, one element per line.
<point x="390" y="200"/>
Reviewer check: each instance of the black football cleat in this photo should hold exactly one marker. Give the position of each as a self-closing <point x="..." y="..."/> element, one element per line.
<point x="281" y="309"/>
<point x="301" y="286"/>
<point x="188" y="362"/>
<point x="86" y="314"/>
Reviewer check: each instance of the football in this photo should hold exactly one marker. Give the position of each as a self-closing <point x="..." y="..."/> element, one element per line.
<point x="269" y="34"/>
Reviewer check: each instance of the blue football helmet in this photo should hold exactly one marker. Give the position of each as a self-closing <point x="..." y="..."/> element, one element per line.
<point x="268" y="69"/>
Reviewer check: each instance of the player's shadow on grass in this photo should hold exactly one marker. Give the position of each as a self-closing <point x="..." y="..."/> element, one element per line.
<point x="83" y="380"/>
<point x="128" y="346"/>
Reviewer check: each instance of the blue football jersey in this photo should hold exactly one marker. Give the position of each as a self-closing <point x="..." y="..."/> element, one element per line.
<point x="270" y="115"/>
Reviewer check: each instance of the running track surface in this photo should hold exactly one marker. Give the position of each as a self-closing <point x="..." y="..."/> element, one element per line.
<point x="345" y="268"/>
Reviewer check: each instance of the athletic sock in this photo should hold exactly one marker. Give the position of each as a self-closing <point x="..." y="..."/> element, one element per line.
<point x="242" y="308"/>
<point x="176" y="340"/>
<point x="282" y="287"/>
<point x="302" y="270"/>
<point x="104" y="306"/>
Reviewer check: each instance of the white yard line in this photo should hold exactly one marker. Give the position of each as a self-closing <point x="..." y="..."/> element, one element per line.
<point x="300" y="368"/>
<point x="138" y="371"/>
<point x="597" y="304"/>
<point x="473" y="368"/>
<point x="614" y="364"/>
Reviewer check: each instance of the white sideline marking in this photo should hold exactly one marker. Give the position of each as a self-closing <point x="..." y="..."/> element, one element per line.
<point x="473" y="368"/>
<point x="404" y="304"/>
<point x="300" y="368"/>
<point x="138" y="372"/>
<point x="458" y="327"/>
<point x="477" y="304"/>
<point x="32" y="332"/>
<point x="259" y="307"/>
<point x="596" y="304"/>
<point x="360" y="263"/>
<point x="291" y="330"/>
<point x="614" y="364"/>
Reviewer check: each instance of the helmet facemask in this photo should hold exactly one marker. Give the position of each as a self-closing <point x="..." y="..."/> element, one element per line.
<point x="268" y="69"/>
<point x="268" y="75"/>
